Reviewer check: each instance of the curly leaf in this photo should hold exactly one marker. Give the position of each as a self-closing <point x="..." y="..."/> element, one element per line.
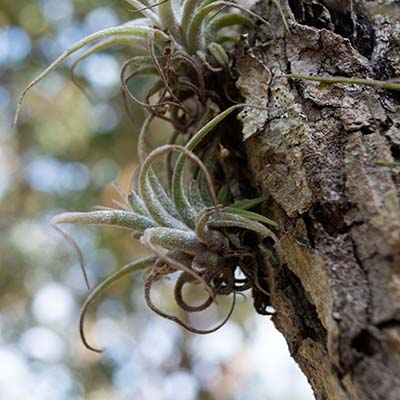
<point x="139" y="33"/>
<point x="128" y="269"/>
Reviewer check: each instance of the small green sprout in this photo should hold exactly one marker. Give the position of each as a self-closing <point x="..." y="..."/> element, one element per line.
<point x="188" y="231"/>
<point x="392" y="164"/>
<point x="391" y="84"/>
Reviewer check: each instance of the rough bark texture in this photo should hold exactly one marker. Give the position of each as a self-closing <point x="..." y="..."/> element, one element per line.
<point x="336" y="287"/>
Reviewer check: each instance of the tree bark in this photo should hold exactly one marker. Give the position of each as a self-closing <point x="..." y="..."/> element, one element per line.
<point x="336" y="286"/>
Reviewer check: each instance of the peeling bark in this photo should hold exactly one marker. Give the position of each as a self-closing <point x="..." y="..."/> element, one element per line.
<point x="336" y="287"/>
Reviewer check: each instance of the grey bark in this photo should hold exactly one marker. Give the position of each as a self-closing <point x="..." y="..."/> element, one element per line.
<point x="336" y="284"/>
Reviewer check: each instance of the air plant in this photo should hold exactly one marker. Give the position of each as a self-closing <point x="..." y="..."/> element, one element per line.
<point x="188" y="231"/>
<point x="178" y="42"/>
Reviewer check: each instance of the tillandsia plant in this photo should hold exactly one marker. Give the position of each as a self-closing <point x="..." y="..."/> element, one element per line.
<point x="188" y="231"/>
<point x="177" y="41"/>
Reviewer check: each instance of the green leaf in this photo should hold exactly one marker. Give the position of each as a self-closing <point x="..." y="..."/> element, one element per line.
<point x="223" y="194"/>
<point x="173" y="239"/>
<point x="123" y="219"/>
<point x="234" y="219"/>
<point x="152" y="193"/>
<point x="224" y="20"/>
<point x="251" y="215"/>
<point x="218" y="52"/>
<point x="246" y="204"/>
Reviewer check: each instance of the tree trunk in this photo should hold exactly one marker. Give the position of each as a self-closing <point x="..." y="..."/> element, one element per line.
<point x="336" y="286"/>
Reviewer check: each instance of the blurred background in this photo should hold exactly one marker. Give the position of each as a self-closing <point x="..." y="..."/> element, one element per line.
<point x="64" y="155"/>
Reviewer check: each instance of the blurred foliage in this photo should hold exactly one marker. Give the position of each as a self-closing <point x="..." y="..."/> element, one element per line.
<point x="64" y="155"/>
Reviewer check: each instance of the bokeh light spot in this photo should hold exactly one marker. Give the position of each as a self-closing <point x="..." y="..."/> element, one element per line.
<point x="15" y="45"/>
<point x="53" y="303"/>
<point x="43" y="344"/>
